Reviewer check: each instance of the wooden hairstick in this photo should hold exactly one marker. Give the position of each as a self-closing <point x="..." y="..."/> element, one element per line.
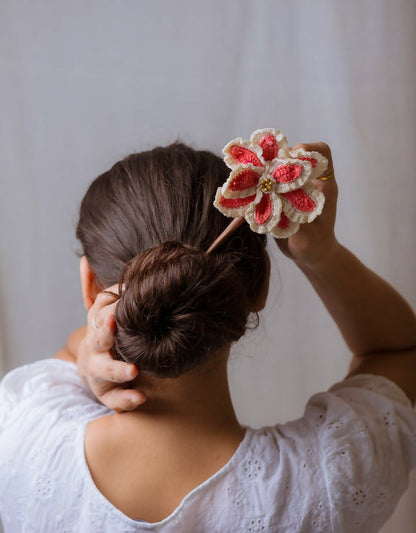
<point x="232" y="226"/>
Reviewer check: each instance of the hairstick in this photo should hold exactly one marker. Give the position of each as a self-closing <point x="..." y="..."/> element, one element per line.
<point x="232" y="226"/>
<point x="269" y="186"/>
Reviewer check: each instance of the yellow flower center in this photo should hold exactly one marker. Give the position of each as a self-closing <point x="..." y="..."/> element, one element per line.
<point x="266" y="185"/>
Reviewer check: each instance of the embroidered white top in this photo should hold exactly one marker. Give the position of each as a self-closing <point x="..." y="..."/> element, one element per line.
<point x="340" y="468"/>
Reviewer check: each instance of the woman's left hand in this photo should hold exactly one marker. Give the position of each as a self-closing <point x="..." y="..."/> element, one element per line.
<point x="106" y="377"/>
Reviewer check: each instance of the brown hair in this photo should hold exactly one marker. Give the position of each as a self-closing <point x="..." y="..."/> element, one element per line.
<point x="146" y="223"/>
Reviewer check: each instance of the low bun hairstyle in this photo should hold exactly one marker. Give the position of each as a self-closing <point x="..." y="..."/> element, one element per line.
<point x="178" y="305"/>
<point x="146" y="224"/>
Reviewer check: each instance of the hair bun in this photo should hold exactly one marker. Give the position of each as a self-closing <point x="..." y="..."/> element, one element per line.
<point x="177" y="306"/>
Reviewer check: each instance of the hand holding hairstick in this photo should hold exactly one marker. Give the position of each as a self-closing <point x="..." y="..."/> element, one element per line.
<point x="270" y="185"/>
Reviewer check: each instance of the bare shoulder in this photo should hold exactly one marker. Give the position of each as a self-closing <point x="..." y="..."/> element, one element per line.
<point x="65" y="355"/>
<point x="98" y="438"/>
<point x="70" y="351"/>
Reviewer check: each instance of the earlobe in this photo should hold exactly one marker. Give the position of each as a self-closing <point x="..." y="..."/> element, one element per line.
<point x="89" y="284"/>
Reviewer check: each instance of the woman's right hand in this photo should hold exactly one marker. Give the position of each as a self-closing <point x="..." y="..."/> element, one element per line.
<point x="106" y="377"/>
<point x="314" y="242"/>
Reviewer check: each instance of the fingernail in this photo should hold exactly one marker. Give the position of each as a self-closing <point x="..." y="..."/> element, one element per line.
<point x="130" y="371"/>
<point x="133" y="401"/>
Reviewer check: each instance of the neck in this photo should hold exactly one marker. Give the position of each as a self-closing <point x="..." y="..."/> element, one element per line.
<point x="202" y="394"/>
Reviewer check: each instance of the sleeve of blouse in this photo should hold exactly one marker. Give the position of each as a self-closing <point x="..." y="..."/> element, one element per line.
<point x="49" y="381"/>
<point x="366" y="430"/>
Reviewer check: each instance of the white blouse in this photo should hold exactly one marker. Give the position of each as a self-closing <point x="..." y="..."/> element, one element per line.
<point x="342" y="467"/>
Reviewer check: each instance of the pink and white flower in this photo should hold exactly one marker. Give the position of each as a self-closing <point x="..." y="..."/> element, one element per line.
<point x="270" y="184"/>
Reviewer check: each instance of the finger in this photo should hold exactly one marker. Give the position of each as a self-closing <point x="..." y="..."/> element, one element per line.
<point x="320" y="147"/>
<point x="106" y="297"/>
<point x="103" y="317"/>
<point x="110" y="319"/>
<point x="103" y="299"/>
<point x="103" y="367"/>
<point x="119" y="399"/>
<point x="329" y="188"/>
<point x="94" y="319"/>
<point x="101" y="339"/>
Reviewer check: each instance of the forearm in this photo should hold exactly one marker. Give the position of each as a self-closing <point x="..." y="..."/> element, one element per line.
<point x="370" y="314"/>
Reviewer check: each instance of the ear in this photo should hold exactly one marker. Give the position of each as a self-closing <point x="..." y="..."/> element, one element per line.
<point x="89" y="283"/>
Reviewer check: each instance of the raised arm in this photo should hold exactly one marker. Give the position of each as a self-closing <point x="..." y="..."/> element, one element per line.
<point x="377" y="324"/>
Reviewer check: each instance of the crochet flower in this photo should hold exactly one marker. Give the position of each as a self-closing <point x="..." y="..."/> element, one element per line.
<point x="270" y="184"/>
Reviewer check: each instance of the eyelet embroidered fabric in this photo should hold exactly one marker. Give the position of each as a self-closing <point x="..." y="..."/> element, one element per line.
<point x="340" y="468"/>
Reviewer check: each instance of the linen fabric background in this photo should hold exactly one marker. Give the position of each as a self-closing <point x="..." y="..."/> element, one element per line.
<point x="85" y="83"/>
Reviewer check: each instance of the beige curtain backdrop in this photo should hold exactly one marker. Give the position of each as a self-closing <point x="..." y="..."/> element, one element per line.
<point x="84" y="83"/>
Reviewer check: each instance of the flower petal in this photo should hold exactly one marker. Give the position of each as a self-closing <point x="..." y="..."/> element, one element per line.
<point x="287" y="173"/>
<point x="244" y="155"/>
<point x="290" y="174"/>
<point x="241" y="154"/>
<point x="311" y="160"/>
<point x="263" y="138"/>
<point x="232" y="203"/>
<point x="318" y="162"/>
<point x="284" y="222"/>
<point x="233" y="207"/>
<point x="244" y="179"/>
<point x="300" y="200"/>
<point x="264" y="210"/>
<point x="269" y="147"/>
<point x="264" y="213"/>
<point x="303" y="205"/>
<point x="285" y="227"/>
